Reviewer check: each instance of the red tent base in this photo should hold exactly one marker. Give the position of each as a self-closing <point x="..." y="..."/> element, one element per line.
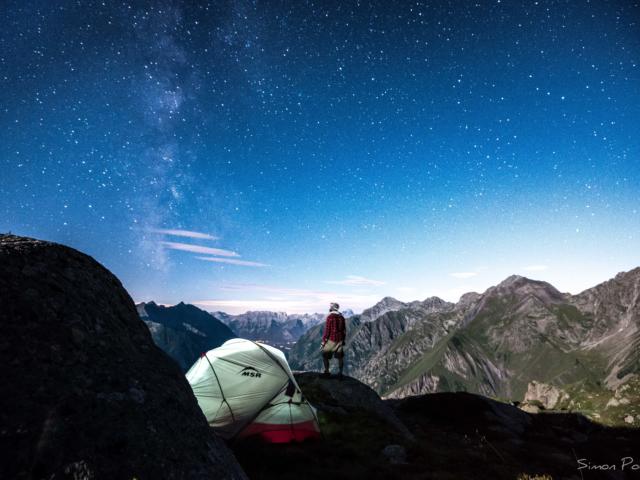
<point x="271" y="433"/>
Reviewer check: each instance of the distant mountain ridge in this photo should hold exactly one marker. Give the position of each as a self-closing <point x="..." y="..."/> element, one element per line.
<point x="183" y="331"/>
<point x="493" y="343"/>
<point x="368" y="335"/>
<point x="276" y="328"/>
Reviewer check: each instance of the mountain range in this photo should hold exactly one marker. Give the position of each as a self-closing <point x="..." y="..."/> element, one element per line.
<point x="279" y="329"/>
<point x="183" y="331"/>
<point x="493" y="343"/>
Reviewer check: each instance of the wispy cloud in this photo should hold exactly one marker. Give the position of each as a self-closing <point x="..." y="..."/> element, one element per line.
<point x="536" y="268"/>
<point x="357" y="281"/>
<point x="233" y="261"/>
<point x="291" y="300"/>
<point x="241" y="306"/>
<point x="182" y="233"/>
<point x="243" y="287"/>
<point x="187" y="247"/>
<point x="463" y="274"/>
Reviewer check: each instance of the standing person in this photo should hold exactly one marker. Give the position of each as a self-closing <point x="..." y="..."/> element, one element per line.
<point x="333" y="339"/>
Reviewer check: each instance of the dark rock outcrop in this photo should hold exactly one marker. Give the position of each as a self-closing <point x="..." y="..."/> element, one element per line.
<point x="387" y="304"/>
<point x="86" y="393"/>
<point x="347" y="396"/>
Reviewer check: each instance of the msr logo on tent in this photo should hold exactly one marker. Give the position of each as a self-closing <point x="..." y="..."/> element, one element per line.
<point x="250" y="372"/>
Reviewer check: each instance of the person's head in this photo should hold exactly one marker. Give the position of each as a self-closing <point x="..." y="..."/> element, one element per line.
<point x="334" y="307"/>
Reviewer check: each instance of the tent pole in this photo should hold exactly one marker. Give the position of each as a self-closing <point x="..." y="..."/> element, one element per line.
<point x="224" y="399"/>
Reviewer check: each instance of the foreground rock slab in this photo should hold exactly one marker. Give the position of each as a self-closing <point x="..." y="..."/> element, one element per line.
<point x="86" y="393"/>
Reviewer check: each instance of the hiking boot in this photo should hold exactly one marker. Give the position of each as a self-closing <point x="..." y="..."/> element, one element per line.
<point x="325" y="375"/>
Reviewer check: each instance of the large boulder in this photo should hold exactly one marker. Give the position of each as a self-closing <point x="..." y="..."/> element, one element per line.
<point x="86" y="393"/>
<point x="346" y="397"/>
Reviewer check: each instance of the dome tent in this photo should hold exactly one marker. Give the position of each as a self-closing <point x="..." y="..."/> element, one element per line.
<point x="246" y="388"/>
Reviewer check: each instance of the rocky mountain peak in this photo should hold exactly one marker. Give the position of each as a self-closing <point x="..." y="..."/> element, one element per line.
<point x="433" y="299"/>
<point x="512" y="280"/>
<point x="630" y="276"/>
<point x="276" y="328"/>
<point x="435" y="303"/>
<point x="387" y="304"/>
<point x="388" y="301"/>
<point x="624" y="283"/>
<point x="263" y="315"/>
<point x="468" y="298"/>
<point x="519" y="286"/>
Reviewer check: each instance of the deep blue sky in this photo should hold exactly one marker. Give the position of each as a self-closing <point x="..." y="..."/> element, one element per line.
<point x="341" y="150"/>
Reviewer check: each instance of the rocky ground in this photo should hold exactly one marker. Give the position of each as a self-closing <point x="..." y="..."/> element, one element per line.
<point x="438" y="436"/>
<point x="85" y="392"/>
<point x="617" y="407"/>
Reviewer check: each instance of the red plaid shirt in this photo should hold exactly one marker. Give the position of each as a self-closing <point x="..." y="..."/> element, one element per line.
<point x="334" y="328"/>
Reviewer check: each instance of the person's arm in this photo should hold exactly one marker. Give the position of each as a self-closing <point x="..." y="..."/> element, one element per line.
<point x="344" y="331"/>
<point x="325" y="334"/>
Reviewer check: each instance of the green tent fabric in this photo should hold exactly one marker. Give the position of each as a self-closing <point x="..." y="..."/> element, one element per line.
<point x="246" y="388"/>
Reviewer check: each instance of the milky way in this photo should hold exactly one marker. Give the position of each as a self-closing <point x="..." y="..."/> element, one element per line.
<point x="282" y="154"/>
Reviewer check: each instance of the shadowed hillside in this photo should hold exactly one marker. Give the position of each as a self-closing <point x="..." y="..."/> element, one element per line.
<point x="183" y="331"/>
<point x="436" y="436"/>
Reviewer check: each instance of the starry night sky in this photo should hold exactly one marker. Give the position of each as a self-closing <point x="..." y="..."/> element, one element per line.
<point x="279" y="155"/>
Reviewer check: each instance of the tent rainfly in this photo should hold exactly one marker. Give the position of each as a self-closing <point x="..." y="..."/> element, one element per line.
<point x="246" y="388"/>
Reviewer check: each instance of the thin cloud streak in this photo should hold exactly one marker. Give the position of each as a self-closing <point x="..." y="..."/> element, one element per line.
<point x="357" y="281"/>
<point x="290" y="292"/>
<point x="298" y="305"/>
<point x="291" y="300"/>
<point x="241" y="306"/>
<point x="187" y="247"/>
<point x="232" y="261"/>
<point x="182" y="233"/>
